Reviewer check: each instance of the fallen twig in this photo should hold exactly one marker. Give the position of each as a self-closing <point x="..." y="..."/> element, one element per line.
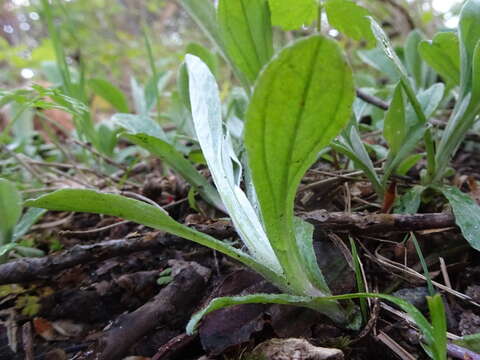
<point x="173" y="304"/>
<point x="364" y="223"/>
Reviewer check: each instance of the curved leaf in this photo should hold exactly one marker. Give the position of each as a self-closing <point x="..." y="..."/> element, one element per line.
<point x="442" y="54"/>
<point x="217" y="150"/>
<point x="291" y="117"/>
<point x="148" y="134"/>
<point x="469" y="33"/>
<point x="351" y="19"/>
<point x="96" y="202"/>
<point x="247" y="34"/>
<point x="10" y="209"/>
<point x="467" y="214"/>
<point x="110" y="93"/>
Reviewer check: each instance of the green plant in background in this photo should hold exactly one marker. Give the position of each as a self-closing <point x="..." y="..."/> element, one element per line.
<point x="12" y="224"/>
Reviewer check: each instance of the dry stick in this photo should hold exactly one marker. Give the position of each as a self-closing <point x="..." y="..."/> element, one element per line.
<point x="365" y="223"/>
<point x="30" y="269"/>
<point x="100" y="155"/>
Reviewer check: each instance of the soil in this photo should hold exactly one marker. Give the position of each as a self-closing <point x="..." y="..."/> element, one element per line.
<point x="117" y="290"/>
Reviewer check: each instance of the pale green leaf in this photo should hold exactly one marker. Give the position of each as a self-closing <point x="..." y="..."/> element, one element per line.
<point x="442" y="54"/>
<point x="96" y="202"/>
<point x="471" y="342"/>
<point x="439" y="327"/>
<point x="207" y="56"/>
<point x="292" y="16"/>
<point x="10" y="209"/>
<point x="409" y="203"/>
<point x="351" y="19"/>
<point x="28" y="219"/>
<point x="110" y="93"/>
<point x="218" y="152"/>
<point x="149" y="135"/>
<point x="247" y="34"/>
<point x="469" y="34"/>
<point x="412" y="58"/>
<point x="289" y="120"/>
<point x="467" y="213"/>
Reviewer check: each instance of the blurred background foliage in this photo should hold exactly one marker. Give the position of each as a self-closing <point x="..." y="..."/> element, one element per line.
<point x="107" y="36"/>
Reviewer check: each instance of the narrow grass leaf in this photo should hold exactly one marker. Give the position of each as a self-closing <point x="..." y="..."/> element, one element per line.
<point x="247" y="34"/>
<point x="28" y="219"/>
<point x="439" y="327"/>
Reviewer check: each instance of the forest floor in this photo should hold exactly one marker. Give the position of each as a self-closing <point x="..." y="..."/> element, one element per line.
<point x="114" y="289"/>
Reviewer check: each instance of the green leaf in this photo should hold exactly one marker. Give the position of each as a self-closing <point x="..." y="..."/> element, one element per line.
<point x="351" y="145"/>
<point x="469" y="34"/>
<point x="203" y="12"/>
<point x="351" y="19"/>
<point x="247" y="34"/>
<point x="289" y="120"/>
<point x="149" y="135"/>
<point x="30" y="217"/>
<point x="224" y="166"/>
<point x="476" y="79"/>
<point x="442" y="54"/>
<point x="283" y="299"/>
<point x="316" y="303"/>
<point x="154" y="87"/>
<point x="405" y="166"/>
<point x="395" y="127"/>
<point x="467" y="213"/>
<point x="409" y="203"/>
<point x="471" y="342"/>
<point x="207" y="56"/>
<point x="412" y="58"/>
<point x="291" y="17"/>
<point x="10" y="209"/>
<point x="439" y="327"/>
<point x="91" y="201"/>
<point x="110" y="93"/>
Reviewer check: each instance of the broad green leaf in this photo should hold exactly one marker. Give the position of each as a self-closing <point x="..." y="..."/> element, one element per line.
<point x="138" y="95"/>
<point x="91" y="201"/>
<point x="469" y="34"/>
<point x="442" y="54"/>
<point x="247" y="34"/>
<point x="413" y="60"/>
<point x="10" y="209"/>
<point x="467" y="213"/>
<point x="439" y="327"/>
<point x="207" y="56"/>
<point x="292" y="16"/>
<point x="218" y="152"/>
<point x="110" y="93"/>
<point x="395" y="126"/>
<point x="28" y="219"/>
<point x="409" y="203"/>
<point x="351" y="19"/>
<point x="289" y="120"/>
<point x="149" y="135"/>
